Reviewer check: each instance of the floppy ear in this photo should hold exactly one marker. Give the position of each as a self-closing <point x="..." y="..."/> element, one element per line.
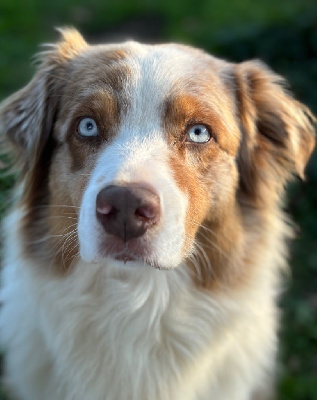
<point x="278" y="131"/>
<point x="26" y="117"/>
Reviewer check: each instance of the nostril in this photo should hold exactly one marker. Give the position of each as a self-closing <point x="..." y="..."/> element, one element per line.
<point x="106" y="209"/>
<point x="146" y="213"/>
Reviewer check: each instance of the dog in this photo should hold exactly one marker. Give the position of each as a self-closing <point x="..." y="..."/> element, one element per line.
<point x="145" y="247"/>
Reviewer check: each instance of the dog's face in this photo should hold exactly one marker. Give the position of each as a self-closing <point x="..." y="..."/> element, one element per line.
<point x="143" y="147"/>
<point x="136" y="153"/>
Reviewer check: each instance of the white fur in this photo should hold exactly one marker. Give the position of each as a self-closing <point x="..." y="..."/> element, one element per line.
<point x="107" y="332"/>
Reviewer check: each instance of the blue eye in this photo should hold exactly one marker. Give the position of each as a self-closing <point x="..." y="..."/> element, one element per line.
<point x="87" y="127"/>
<point x="198" y="134"/>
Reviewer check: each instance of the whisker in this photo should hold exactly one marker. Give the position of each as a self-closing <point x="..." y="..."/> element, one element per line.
<point x="208" y="263"/>
<point x="209" y="240"/>
<point x="69" y="241"/>
<point x="55" y="206"/>
<point x="68" y="247"/>
<point x="42" y="239"/>
<point x="62" y="216"/>
<point x="195" y="263"/>
<point x="223" y="253"/>
<point x="48" y="237"/>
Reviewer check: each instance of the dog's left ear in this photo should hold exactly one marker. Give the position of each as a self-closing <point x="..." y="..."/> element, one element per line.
<point x="277" y="131"/>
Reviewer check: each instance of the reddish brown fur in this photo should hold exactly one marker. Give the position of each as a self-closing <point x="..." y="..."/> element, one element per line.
<point x="208" y="175"/>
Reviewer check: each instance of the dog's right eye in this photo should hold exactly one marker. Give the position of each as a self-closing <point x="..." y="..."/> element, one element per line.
<point x="87" y="127"/>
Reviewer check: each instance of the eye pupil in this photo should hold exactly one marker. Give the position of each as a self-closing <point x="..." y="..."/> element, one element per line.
<point x="197" y="131"/>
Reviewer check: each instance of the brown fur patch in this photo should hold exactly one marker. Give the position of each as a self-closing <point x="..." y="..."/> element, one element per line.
<point x="207" y="174"/>
<point x="103" y="108"/>
<point x="185" y="110"/>
<point x="95" y="90"/>
<point x="276" y="140"/>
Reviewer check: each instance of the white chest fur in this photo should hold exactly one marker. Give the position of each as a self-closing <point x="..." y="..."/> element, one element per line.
<point x="110" y="333"/>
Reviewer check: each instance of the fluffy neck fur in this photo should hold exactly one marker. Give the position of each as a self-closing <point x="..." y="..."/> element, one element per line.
<point x="149" y="334"/>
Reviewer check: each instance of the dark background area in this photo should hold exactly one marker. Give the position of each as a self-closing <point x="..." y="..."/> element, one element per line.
<point x="281" y="33"/>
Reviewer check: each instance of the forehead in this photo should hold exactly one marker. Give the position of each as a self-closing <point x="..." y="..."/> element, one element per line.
<point x="155" y="71"/>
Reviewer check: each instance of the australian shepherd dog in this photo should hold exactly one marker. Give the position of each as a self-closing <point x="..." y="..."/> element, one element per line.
<point x="146" y="241"/>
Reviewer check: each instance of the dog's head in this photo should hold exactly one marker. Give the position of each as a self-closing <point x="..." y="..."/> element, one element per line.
<point x="133" y="152"/>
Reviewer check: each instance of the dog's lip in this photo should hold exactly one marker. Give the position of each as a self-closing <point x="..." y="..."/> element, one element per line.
<point x="133" y="250"/>
<point x="125" y="257"/>
<point x="134" y="254"/>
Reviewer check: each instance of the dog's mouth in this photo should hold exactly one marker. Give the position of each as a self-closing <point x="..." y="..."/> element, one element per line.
<point x="134" y="250"/>
<point x="125" y="257"/>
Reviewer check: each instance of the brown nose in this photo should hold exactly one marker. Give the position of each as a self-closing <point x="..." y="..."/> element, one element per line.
<point x="127" y="211"/>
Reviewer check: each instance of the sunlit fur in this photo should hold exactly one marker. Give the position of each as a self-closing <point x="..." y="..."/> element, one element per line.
<point x="194" y="315"/>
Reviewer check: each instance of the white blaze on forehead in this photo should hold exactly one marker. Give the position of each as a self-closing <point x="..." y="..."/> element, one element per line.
<point x="155" y="71"/>
<point x="160" y="73"/>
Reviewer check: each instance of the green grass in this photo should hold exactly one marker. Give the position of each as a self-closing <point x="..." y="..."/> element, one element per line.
<point x="26" y="23"/>
<point x="283" y="33"/>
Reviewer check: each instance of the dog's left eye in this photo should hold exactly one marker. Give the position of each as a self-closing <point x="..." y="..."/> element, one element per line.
<point x="198" y="134"/>
<point x="87" y="127"/>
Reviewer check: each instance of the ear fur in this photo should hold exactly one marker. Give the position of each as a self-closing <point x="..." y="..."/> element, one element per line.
<point x="278" y="131"/>
<point x="27" y="116"/>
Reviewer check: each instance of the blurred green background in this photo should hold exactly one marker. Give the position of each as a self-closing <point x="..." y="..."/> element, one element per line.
<point x="282" y="33"/>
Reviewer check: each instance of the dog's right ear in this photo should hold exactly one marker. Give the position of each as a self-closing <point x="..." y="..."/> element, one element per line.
<point x="27" y="116"/>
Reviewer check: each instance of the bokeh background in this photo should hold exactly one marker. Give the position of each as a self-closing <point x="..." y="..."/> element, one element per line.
<point x="283" y="33"/>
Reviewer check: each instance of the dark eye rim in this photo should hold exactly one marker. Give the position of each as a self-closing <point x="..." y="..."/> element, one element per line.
<point x="191" y="125"/>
